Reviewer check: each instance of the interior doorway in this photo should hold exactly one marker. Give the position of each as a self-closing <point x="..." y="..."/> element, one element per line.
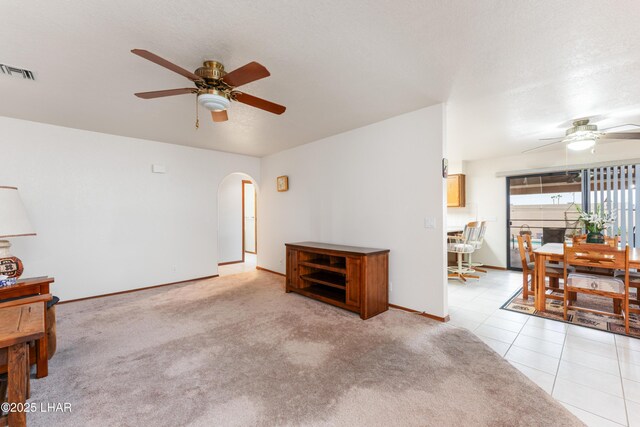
<point x="237" y="224"/>
<point x="249" y="219"/>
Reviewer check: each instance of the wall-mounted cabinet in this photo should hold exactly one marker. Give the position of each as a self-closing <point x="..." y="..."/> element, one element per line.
<point x="455" y="191"/>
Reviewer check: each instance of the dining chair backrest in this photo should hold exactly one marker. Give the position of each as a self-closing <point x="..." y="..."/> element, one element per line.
<point x="582" y="240"/>
<point x="597" y="255"/>
<point x="465" y="242"/>
<point x="480" y="237"/>
<point x="471" y="233"/>
<point x="523" y="252"/>
<point x="528" y="245"/>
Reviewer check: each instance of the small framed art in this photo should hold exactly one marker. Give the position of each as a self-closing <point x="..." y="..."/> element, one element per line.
<point x="282" y="183"/>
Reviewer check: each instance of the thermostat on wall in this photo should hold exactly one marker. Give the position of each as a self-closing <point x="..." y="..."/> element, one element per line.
<point x="158" y="169"/>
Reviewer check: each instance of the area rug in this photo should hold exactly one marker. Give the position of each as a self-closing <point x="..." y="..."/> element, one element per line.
<point x="554" y="311"/>
<point x="239" y="351"/>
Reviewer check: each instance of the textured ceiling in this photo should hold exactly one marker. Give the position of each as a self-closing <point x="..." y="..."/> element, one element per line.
<point x="511" y="72"/>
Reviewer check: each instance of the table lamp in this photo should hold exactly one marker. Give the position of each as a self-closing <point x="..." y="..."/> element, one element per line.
<point x="13" y="223"/>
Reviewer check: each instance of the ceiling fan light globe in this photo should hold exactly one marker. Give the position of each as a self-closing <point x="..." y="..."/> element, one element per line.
<point x="580" y="144"/>
<point x="213" y="102"/>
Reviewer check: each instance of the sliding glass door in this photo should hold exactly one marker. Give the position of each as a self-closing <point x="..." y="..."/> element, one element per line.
<point x="544" y="206"/>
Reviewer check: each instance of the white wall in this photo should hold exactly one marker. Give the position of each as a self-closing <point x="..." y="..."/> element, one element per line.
<point x="371" y="186"/>
<point x="105" y="223"/>
<point x="487" y="193"/>
<point x="249" y="218"/>
<point x="230" y="219"/>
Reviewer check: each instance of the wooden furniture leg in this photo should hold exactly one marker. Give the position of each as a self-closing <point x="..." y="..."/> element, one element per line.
<point x="626" y="313"/>
<point x="18" y="357"/>
<point x="617" y="306"/>
<point x="541" y="274"/>
<point x="3" y="390"/>
<point x="42" y="356"/>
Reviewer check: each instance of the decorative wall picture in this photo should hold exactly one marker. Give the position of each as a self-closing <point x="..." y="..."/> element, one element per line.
<point x="283" y="183"/>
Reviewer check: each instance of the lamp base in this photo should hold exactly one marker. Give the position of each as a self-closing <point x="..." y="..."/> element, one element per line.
<point x="10" y="266"/>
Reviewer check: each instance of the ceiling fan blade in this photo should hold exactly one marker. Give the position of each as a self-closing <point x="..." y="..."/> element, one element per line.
<point x="541" y="146"/>
<point x="551" y="139"/>
<point x="260" y="103"/>
<point x="621" y="135"/>
<point x="161" y="93"/>
<point x="246" y="74"/>
<point x="219" y="116"/>
<point x="166" y="64"/>
<point x="626" y="125"/>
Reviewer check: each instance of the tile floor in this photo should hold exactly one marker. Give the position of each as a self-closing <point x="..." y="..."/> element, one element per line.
<point x="249" y="264"/>
<point x="594" y="374"/>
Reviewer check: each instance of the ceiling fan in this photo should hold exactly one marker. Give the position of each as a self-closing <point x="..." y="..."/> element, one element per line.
<point x="214" y="87"/>
<point x="582" y="135"/>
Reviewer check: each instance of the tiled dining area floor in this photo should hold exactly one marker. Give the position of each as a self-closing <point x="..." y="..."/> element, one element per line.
<point x="594" y="374"/>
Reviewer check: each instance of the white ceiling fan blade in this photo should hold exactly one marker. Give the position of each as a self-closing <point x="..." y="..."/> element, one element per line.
<point x="551" y="139"/>
<point x="622" y="128"/>
<point x="621" y="135"/>
<point x="541" y="146"/>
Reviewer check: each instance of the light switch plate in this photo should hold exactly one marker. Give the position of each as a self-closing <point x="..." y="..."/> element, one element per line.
<point x="429" y="222"/>
<point x="158" y="169"/>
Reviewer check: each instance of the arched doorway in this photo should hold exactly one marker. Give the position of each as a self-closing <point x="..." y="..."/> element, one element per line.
<point x="237" y="224"/>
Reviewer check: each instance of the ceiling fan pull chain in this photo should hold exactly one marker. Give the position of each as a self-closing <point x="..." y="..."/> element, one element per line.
<point x="197" y="118"/>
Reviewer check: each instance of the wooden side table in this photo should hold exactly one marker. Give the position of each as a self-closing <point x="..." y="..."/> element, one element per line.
<point x="19" y="324"/>
<point x="30" y="287"/>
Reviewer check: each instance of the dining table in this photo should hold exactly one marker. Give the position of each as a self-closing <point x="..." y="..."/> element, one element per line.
<point x="555" y="252"/>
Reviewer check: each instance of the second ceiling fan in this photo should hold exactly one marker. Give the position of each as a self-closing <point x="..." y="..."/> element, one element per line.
<point x="215" y="88"/>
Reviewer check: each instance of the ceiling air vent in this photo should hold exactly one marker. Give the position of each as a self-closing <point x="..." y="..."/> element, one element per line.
<point x="13" y="71"/>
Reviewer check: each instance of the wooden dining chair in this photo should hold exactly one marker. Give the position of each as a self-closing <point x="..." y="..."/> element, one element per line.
<point x="609" y="241"/>
<point x="528" y="266"/>
<point x="634" y="278"/>
<point x="554" y="272"/>
<point x="581" y="239"/>
<point x="634" y="283"/>
<point x="635" y="309"/>
<point x="602" y="257"/>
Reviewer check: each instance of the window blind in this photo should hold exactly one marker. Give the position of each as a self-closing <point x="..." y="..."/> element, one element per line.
<point x="616" y="190"/>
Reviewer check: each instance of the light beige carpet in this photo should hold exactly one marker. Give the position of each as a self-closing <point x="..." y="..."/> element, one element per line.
<point x="239" y="351"/>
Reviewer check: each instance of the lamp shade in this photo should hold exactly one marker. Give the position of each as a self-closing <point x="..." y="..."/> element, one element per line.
<point x="13" y="216"/>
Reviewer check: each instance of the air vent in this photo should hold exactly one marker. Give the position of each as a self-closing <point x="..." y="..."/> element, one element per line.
<point x="15" y="71"/>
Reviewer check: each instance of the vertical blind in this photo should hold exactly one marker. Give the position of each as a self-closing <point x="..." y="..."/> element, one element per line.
<point x="616" y="190"/>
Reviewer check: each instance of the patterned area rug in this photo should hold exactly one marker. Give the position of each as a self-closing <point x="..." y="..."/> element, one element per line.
<point x="590" y="320"/>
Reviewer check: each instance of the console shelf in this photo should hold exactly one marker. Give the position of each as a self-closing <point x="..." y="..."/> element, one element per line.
<point x="327" y="279"/>
<point x="322" y="264"/>
<point x="349" y="277"/>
